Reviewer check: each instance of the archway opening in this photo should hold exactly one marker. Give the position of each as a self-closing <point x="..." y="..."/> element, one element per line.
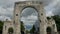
<point x="10" y="30"/>
<point x="29" y="21"/>
<point x="49" y="30"/>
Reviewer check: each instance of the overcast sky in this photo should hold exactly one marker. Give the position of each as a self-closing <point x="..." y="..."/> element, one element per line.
<point x="29" y="16"/>
<point x="52" y="7"/>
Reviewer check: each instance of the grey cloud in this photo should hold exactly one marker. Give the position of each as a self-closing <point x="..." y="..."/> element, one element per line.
<point x="56" y="11"/>
<point x="10" y="4"/>
<point x="7" y="7"/>
<point x="5" y="4"/>
<point x="28" y="11"/>
<point x="6" y="12"/>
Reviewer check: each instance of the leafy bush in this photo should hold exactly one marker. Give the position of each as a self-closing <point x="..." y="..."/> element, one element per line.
<point x="10" y="30"/>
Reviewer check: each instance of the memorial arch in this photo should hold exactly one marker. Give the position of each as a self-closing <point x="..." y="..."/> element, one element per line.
<point x="19" y="6"/>
<point x="37" y="5"/>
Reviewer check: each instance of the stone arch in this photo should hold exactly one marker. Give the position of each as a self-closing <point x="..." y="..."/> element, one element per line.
<point x="10" y="30"/>
<point x="19" y="6"/>
<point x="30" y="7"/>
<point x="49" y="30"/>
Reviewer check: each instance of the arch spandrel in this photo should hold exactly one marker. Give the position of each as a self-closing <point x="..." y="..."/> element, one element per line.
<point x="37" y="7"/>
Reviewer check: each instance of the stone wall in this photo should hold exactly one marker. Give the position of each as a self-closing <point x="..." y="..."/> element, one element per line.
<point x="7" y="25"/>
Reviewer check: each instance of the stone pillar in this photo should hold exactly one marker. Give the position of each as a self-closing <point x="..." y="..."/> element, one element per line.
<point x="7" y="25"/>
<point x="17" y="21"/>
<point x="4" y="29"/>
<point x="55" y="29"/>
<point x="42" y="28"/>
<point x="42" y="18"/>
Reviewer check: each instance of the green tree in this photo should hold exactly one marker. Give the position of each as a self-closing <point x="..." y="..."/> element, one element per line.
<point x="1" y="26"/>
<point x="27" y="32"/>
<point x="33" y="29"/>
<point x="57" y="20"/>
<point x="10" y="30"/>
<point x="22" y="26"/>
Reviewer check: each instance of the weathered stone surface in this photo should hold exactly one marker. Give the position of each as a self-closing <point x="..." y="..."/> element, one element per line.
<point x="19" y="6"/>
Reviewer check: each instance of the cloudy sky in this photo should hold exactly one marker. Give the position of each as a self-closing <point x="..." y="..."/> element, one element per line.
<point x="29" y="16"/>
<point x="52" y="7"/>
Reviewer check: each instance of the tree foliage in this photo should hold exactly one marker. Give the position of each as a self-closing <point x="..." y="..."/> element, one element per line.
<point x="22" y="26"/>
<point x="33" y="29"/>
<point x="1" y="26"/>
<point x="27" y="32"/>
<point x="10" y="30"/>
<point x="57" y="20"/>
